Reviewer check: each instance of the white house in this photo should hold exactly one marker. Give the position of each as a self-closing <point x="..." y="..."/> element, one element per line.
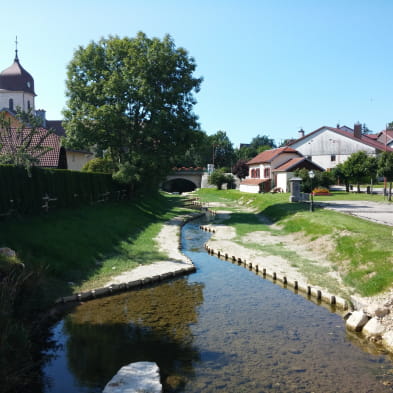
<point x="273" y="168"/>
<point x="328" y="146"/>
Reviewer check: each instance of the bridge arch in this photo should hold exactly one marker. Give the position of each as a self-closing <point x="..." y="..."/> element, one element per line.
<point x="179" y="184"/>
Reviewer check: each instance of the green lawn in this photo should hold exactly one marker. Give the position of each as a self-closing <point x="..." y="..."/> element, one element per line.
<point x="362" y="250"/>
<point x="82" y="248"/>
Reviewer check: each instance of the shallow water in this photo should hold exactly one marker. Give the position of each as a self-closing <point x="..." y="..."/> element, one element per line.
<point x="222" y="329"/>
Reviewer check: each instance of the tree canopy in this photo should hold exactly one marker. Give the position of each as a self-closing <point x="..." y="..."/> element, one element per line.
<point x="385" y="169"/>
<point x="132" y="98"/>
<point x="258" y="144"/>
<point x="358" y="167"/>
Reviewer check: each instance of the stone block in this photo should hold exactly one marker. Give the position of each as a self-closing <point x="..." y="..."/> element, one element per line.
<point x="373" y="328"/>
<point x="136" y="377"/>
<point x="387" y="340"/>
<point x="356" y="321"/>
<point x="377" y="311"/>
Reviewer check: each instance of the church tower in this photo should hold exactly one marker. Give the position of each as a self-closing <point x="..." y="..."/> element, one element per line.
<point x="16" y="88"/>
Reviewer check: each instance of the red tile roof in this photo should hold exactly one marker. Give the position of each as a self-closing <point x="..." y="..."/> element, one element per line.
<point x="363" y="139"/>
<point x="269" y="155"/>
<point x="295" y="163"/>
<point x="50" y="159"/>
<point x="289" y="164"/>
<point x="254" y="182"/>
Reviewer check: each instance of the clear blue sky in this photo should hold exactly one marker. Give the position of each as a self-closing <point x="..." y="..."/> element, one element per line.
<point x="269" y="67"/>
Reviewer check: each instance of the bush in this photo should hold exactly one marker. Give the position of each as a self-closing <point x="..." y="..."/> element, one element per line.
<point x="99" y="165"/>
<point x="219" y="177"/>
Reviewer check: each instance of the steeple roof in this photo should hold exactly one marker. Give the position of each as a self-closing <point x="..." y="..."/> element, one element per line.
<point x="16" y="78"/>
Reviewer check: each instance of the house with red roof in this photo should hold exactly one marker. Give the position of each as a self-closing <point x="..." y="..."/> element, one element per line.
<point x="272" y="169"/>
<point x="329" y="146"/>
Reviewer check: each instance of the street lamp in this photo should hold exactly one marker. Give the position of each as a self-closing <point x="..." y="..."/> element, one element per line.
<point x="311" y="175"/>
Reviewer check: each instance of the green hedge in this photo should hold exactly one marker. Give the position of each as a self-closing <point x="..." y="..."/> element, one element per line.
<point x="24" y="195"/>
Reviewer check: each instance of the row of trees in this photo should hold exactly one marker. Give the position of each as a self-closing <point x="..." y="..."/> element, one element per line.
<point x="359" y="168"/>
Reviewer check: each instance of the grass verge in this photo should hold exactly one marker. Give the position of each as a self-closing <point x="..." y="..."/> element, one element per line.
<point x="362" y="251"/>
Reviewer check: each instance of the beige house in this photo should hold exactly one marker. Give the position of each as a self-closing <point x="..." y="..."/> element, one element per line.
<point x="272" y="169"/>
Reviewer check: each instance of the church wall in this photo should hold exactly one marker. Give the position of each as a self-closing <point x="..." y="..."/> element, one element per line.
<point x="20" y="99"/>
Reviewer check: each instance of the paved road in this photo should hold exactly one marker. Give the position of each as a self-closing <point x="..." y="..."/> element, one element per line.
<point x="372" y="211"/>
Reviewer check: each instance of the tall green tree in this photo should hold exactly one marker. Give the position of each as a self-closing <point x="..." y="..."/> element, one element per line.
<point x="222" y="151"/>
<point x="132" y="98"/>
<point x="257" y="145"/>
<point x="385" y="169"/>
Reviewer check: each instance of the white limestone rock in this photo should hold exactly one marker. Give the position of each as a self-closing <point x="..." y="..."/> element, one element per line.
<point x="387" y="340"/>
<point x="356" y="321"/>
<point x="378" y="311"/>
<point x="373" y="328"/>
<point x="136" y="378"/>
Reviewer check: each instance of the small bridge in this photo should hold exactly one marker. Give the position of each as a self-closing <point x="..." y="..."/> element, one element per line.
<point x="185" y="179"/>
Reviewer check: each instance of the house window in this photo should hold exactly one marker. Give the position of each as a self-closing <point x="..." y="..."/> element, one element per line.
<point x="257" y="173"/>
<point x="11" y="104"/>
<point x="266" y="173"/>
<point x="333" y="158"/>
<point x="253" y="173"/>
<point x="28" y="105"/>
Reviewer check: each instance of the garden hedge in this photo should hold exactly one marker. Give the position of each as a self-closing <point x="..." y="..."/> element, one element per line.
<point x="26" y="194"/>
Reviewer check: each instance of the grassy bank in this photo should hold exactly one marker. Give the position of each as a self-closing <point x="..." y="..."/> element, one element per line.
<point x="64" y="251"/>
<point x="85" y="246"/>
<point x="361" y="251"/>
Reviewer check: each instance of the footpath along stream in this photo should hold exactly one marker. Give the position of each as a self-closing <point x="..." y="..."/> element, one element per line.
<point x="221" y="329"/>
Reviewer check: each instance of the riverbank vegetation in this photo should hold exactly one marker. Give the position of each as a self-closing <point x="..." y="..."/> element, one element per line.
<point x="361" y="251"/>
<point x="58" y="253"/>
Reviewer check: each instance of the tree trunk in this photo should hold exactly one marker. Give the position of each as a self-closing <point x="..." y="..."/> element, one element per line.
<point x="390" y="191"/>
<point x="358" y="188"/>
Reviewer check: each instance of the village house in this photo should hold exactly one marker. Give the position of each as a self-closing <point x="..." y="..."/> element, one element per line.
<point x="17" y="92"/>
<point x="272" y="170"/>
<point x="329" y="146"/>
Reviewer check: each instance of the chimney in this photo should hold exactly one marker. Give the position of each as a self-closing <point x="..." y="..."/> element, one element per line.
<point x="301" y="133"/>
<point x="41" y="114"/>
<point x="357" y="130"/>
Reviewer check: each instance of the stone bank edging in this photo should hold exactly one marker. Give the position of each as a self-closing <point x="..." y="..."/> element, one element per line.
<point x="357" y="321"/>
<point x="137" y="284"/>
<point x="310" y="291"/>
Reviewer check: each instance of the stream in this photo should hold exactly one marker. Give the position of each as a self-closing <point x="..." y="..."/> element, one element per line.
<point x="221" y="329"/>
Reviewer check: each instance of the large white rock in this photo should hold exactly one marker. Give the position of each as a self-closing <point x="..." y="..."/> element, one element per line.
<point x="373" y="328"/>
<point x="356" y="321"/>
<point x="135" y="378"/>
<point x="387" y="340"/>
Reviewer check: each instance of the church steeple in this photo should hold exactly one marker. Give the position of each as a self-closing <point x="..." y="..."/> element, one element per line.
<point x="16" y="49"/>
<point x="16" y="86"/>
